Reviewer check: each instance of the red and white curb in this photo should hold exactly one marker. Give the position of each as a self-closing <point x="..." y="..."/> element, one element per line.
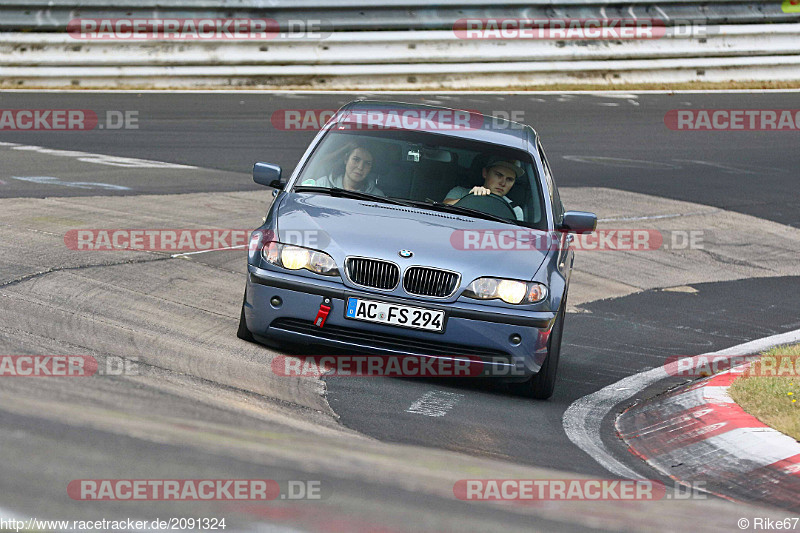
<point x="700" y="434"/>
<point x="583" y="419"/>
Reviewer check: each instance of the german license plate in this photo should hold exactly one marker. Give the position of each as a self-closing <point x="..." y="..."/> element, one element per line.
<point x="403" y="316"/>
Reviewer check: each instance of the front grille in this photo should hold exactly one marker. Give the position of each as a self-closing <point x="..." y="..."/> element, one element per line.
<point x="373" y="273"/>
<point x="424" y="281"/>
<point x="383" y="341"/>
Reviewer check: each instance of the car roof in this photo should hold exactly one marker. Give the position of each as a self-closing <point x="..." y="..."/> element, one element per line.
<point x="484" y="128"/>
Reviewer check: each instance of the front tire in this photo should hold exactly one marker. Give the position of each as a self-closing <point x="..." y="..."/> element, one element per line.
<point x="542" y="385"/>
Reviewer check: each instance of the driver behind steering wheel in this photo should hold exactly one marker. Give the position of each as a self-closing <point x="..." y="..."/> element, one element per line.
<point x="499" y="176"/>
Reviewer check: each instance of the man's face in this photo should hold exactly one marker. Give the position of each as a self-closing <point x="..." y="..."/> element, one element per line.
<point x="499" y="179"/>
<point x="358" y="165"/>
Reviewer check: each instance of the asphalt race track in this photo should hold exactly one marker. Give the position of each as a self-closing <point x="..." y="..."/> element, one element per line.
<point x="204" y="405"/>
<point x="747" y="172"/>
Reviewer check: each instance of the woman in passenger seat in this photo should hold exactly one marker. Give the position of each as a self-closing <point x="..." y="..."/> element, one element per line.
<point x="358" y="163"/>
<point x="499" y="176"/>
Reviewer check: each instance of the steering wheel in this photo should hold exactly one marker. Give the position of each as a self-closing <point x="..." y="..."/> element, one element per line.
<point x="491" y="204"/>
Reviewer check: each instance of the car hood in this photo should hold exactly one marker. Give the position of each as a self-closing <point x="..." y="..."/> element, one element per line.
<point x="347" y="227"/>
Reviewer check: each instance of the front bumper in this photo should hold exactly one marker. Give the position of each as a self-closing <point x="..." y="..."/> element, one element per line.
<point x="471" y="329"/>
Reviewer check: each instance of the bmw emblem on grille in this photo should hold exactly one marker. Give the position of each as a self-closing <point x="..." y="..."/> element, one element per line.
<point x="405" y="253"/>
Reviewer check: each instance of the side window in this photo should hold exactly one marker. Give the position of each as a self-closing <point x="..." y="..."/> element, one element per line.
<point x="555" y="198"/>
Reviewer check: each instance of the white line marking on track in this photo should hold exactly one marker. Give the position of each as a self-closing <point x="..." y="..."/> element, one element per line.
<point x="653" y="217"/>
<point x="100" y="159"/>
<point x="583" y="418"/>
<point x="435" y="403"/>
<point x="619" y="162"/>
<point x="213" y="250"/>
<point x="50" y="180"/>
<point x="725" y="168"/>
<point x="622" y="95"/>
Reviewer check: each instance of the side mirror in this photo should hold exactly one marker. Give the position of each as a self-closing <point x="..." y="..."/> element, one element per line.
<point x="269" y="175"/>
<point x="578" y="222"/>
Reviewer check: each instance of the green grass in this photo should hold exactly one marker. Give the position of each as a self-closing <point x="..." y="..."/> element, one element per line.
<point x="773" y="399"/>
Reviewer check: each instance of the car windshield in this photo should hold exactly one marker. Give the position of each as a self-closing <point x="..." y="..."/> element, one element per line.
<point x="427" y="170"/>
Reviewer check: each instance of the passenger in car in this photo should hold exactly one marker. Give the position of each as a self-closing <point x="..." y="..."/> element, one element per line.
<point x="499" y="176"/>
<point x="358" y="162"/>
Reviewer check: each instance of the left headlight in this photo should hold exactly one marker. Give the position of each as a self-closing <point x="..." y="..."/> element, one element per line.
<point x="297" y="258"/>
<point x="509" y="290"/>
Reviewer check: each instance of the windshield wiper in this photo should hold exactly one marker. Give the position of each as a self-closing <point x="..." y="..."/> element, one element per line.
<point x="356" y="195"/>
<point x="449" y="208"/>
<point x="430" y="204"/>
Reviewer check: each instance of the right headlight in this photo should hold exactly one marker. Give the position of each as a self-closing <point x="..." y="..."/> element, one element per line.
<point x="509" y="290"/>
<point x="296" y="258"/>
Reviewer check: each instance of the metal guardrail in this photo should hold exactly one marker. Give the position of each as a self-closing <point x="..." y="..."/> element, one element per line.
<point x="370" y="60"/>
<point x="405" y="77"/>
<point x="390" y="48"/>
<point x="404" y="44"/>
<point x="362" y="15"/>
